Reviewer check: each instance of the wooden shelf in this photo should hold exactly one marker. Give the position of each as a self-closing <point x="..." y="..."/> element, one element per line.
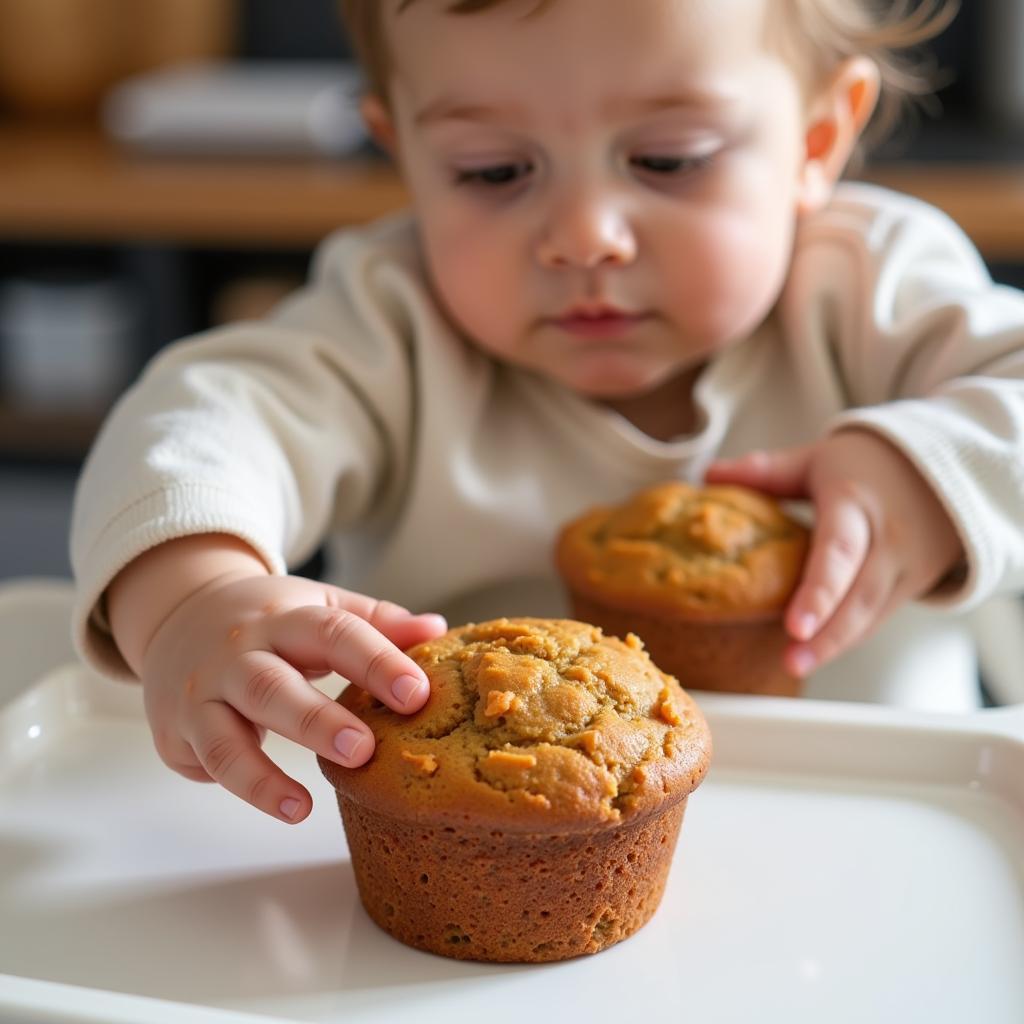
<point x="46" y="435"/>
<point x="72" y="184"/>
<point x="986" y="200"/>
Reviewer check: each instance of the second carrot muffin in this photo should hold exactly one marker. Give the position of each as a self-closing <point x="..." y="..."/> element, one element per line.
<point x="701" y="574"/>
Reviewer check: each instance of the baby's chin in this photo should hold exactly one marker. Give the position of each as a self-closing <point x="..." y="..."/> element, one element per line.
<point x="624" y="386"/>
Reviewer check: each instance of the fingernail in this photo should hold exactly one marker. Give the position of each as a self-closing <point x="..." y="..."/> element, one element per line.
<point x="405" y="687"/>
<point x="803" y="662"/>
<point x="806" y="624"/>
<point x="348" y="743"/>
<point x="289" y="807"/>
<point x="432" y="619"/>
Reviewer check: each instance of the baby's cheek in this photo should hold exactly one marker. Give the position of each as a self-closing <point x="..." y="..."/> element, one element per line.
<point x="737" y="276"/>
<point x="472" y="283"/>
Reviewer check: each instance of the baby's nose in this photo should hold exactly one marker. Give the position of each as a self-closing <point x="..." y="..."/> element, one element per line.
<point x="586" y="233"/>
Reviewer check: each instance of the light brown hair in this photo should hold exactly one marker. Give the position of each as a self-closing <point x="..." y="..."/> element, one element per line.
<point x="821" y="33"/>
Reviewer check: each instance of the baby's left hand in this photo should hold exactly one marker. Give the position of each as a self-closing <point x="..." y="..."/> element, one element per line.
<point x="881" y="537"/>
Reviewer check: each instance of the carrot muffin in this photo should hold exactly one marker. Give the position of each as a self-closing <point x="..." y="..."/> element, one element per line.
<point x="530" y="810"/>
<point x="701" y="574"/>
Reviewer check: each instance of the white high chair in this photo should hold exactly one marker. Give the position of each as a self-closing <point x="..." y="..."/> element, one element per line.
<point x="35" y="631"/>
<point x="998" y="629"/>
<point x="35" y="638"/>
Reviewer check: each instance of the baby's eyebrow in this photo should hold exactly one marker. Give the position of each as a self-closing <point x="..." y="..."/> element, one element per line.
<point x="703" y="100"/>
<point x="446" y="109"/>
<point x="691" y="99"/>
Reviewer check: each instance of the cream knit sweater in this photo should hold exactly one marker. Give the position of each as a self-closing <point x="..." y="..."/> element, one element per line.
<point x="437" y="478"/>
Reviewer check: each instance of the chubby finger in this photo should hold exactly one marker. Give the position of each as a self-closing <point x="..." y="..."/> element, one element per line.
<point x="403" y="628"/>
<point x="782" y="473"/>
<point x="867" y="602"/>
<point x="178" y="754"/>
<point x="839" y="546"/>
<point x="351" y="646"/>
<point x="398" y="624"/>
<point x="228" y="749"/>
<point x="271" y="694"/>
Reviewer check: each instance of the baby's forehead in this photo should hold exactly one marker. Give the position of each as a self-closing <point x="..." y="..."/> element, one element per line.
<point x="777" y="23"/>
<point x="585" y="47"/>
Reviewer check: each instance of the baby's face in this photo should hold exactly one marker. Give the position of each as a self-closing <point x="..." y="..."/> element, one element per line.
<point x="607" y="190"/>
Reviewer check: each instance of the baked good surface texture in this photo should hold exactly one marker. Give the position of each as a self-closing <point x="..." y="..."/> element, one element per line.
<point x="530" y="810"/>
<point x="701" y="574"/>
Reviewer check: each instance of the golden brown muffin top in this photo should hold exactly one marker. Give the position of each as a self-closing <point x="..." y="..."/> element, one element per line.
<point x="676" y="549"/>
<point x="532" y="725"/>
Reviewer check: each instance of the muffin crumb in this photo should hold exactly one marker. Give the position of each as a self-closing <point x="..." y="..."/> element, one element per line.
<point x="579" y="674"/>
<point x="667" y="709"/>
<point x="425" y="763"/>
<point x="500" y="702"/>
<point x="510" y="759"/>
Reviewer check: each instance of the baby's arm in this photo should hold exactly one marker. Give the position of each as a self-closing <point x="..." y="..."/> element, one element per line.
<point x="224" y="648"/>
<point x="881" y="537"/>
<point x="911" y="365"/>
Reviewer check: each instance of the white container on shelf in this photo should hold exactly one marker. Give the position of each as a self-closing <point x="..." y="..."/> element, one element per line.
<point x="266" y="108"/>
<point x="66" y="343"/>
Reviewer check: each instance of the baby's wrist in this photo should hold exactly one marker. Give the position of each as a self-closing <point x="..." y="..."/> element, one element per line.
<point x="147" y="592"/>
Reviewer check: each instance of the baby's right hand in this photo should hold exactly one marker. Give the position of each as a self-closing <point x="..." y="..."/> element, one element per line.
<point x="232" y="661"/>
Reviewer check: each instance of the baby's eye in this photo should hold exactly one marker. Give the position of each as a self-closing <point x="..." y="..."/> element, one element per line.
<point x="669" y="164"/>
<point x="494" y="176"/>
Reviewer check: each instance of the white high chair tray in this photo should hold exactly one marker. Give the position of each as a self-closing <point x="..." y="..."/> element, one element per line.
<point x="841" y="863"/>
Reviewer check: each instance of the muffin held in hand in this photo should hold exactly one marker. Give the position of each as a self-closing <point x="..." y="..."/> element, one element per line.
<point x="530" y="810"/>
<point x="701" y="574"/>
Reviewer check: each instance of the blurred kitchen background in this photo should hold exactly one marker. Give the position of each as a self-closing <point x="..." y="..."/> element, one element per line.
<point x="166" y="165"/>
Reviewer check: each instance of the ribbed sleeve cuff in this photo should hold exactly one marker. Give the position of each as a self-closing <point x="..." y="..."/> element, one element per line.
<point x="953" y="471"/>
<point x="154" y="519"/>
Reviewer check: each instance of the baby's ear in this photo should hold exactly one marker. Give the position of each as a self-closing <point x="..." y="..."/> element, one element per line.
<point x="379" y="122"/>
<point x="836" y="118"/>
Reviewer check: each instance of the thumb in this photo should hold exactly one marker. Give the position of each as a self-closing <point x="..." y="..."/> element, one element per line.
<point x="782" y="473"/>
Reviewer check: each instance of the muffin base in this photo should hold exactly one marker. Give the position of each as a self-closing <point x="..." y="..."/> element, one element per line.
<point x="732" y="657"/>
<point x="507" y="896"/>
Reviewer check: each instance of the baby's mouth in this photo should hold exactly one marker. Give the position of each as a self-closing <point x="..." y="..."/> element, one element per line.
<point x="599" y="321"/>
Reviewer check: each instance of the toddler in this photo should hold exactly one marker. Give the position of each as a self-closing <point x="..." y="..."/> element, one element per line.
<point x="627" y="259"/>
